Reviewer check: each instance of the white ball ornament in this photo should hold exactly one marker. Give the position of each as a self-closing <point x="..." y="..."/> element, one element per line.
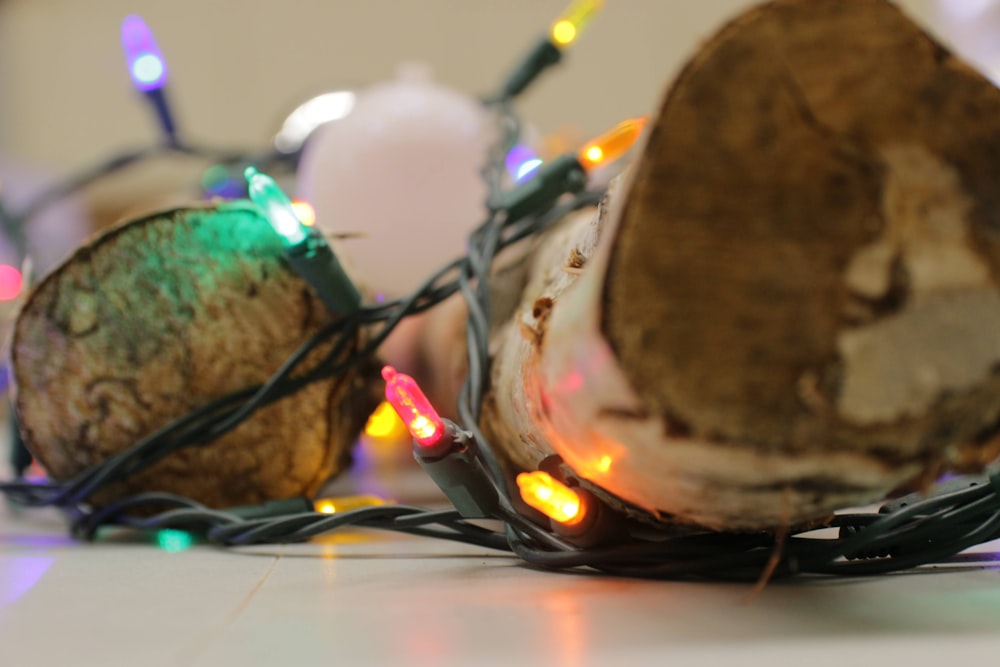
<point x="402" y="171"/>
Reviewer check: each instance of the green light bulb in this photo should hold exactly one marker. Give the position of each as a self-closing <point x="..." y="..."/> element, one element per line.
<point x="276" y="206"/>
<point x="174" y="540"/>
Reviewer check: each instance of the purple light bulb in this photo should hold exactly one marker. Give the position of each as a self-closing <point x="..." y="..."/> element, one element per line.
<point x="521" y="163"/>
<point x="145" y="61"/>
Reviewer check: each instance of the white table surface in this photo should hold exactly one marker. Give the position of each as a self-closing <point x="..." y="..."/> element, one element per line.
<point x="367" y="598"/>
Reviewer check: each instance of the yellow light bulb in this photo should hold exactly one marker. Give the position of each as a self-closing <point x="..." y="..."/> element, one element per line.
<point x="551" y="497"/>
<point x="346" y="503"/>
<point x="325" y="506"/>
<point x="384" y="422"/>
<point x="573" y="20"/>
<point x="563" y="32"/>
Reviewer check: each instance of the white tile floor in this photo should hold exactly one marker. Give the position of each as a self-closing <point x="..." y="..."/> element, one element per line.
<point x="375" y="599"/>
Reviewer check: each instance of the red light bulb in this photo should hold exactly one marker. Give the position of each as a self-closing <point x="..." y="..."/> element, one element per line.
<point x="10" y="282"/>
<point x="413" y="407"/>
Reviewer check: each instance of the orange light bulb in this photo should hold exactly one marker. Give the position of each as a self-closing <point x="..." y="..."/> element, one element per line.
<point x="346" y="503"/>
<point x="551" y="497"/>
<point x="611" y="145"/>
<point x="413" y="407"/>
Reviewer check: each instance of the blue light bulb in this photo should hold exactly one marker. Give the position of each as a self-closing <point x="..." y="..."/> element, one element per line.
<point x="147" y="69"/>
<point x="145" y="61"/>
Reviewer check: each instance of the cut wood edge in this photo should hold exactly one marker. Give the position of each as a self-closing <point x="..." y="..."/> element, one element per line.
<point x="559" y="386"/>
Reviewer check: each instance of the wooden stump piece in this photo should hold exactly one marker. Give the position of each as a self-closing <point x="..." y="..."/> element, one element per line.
<point x="163" y="315"/>
<point x="817" y="219"/>
<point x="793" y="303"/>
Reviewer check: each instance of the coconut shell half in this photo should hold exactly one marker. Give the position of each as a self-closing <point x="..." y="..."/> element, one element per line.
<point x="163" y="315"/>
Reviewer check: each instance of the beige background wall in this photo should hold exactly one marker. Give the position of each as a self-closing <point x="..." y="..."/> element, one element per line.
<point x="238" y="65"/>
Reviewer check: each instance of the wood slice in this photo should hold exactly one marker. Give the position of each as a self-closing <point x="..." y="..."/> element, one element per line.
<point x="161" y="316"/>
<point x="817" y="211"/>
<point x="791" y="305"/>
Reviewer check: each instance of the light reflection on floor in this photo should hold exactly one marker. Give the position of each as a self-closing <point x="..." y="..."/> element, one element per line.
<point x="19" y="574"/>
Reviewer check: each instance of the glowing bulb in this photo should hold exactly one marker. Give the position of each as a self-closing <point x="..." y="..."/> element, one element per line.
<point x="147" y="68"/>
<point x="304" y="212"/>
<point x="521" y="163"/>
<point x="413" y="407"/>
<point x="145" y="61"/>
<point x="384" y="422"/>
<point x="277" y="207"/>
<point x="325" y="506"/>
<point x="563" y="32"/>
<point x="573" y="20"/>
<point x="611" y="145"/>
<point x="517" y="157"/>
<point x="346" y="503"/>
<point x="527" y="170"/>
<point x="422" y="427"/>
<point x="173" y="541"/>
<point x="10" y="282"/>
<point x="551" y="497"/>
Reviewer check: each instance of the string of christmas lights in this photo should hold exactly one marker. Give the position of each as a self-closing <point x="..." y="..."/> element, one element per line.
<point x="548" y="519"/>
